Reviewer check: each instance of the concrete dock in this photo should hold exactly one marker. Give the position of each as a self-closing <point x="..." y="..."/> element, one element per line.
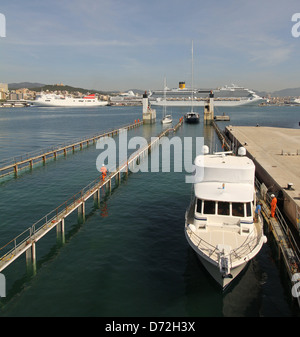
<point x="276" y="154"/>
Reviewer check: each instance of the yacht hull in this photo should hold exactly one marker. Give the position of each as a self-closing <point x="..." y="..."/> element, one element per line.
<point x="213" y="268"/>
<point x="191" y="120"/>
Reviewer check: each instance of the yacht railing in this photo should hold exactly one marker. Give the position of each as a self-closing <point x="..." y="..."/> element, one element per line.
<point x="213" y="252"/>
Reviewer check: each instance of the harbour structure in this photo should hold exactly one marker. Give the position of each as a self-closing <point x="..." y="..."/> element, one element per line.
<point x="209" y="109"/>
<point x="25" y="243"/>
<point x="15" y="104"/>
<point x="276" y="154"/>
<point x="28" y="160"/>
<point x="277" y="159"/>
<point x="149" y="114"/>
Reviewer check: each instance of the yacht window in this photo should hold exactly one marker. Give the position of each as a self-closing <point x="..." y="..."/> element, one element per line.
<point x="223" y="208"/>
<point x="209" y="207"/>
<point x="248" y="208"/>
<point x="199" y="205"/>
<point x="237" y="209"/>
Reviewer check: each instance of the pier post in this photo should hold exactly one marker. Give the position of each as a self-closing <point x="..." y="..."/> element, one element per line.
<point x="97" y="198"/>
<point x="16" y="169"/>
<point x="209" y="109"/>
<point x="60" y="231"/>
<point x="81" y="212"/>
<point x="31" y="258"/>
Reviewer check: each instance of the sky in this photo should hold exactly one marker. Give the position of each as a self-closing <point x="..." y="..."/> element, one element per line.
<point x="125" y="44"/>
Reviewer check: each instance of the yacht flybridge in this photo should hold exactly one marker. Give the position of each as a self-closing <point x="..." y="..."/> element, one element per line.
<point x="219" y="223"/>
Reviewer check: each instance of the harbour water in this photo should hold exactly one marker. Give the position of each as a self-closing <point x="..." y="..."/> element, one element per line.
<point x="130" y="257"/>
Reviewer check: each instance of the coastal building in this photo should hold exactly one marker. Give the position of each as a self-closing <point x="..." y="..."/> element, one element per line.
<point x="3" y="90"/>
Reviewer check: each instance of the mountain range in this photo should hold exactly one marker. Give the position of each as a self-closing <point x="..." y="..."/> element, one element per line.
<point x="289" y="92"/>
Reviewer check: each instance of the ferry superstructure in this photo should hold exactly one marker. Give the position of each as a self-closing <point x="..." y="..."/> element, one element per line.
<point x="220" y="225"/>
<point x="54" y="100"/>
<point x="230" y="96"/>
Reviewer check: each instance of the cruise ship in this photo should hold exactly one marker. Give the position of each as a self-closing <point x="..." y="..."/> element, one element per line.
<point x="230" y="96"/>
<point x="54" y="100"/>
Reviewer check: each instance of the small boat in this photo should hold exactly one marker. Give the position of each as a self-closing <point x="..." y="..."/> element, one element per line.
<point x="219" y="223"/>
<point x="192" y="117"/>
<point x="167" y="119"/>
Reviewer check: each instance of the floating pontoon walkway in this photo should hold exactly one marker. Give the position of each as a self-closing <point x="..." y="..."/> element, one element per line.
<point x="26" y="241"/>
<point x="14" y="165"/>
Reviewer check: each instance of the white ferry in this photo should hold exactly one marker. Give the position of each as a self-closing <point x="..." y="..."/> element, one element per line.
<point x="67" y="101"/>
<point x="220" y="224"/>
<point x="225" y="96"/>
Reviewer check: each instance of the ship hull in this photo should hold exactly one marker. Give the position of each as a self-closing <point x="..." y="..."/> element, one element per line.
<point x="213" y="268"/>
<point x="218" y="103"/>
<point x="69" y="105"/>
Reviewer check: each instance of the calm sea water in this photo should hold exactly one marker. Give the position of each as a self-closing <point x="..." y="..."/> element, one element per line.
<point x="130" y="257"/>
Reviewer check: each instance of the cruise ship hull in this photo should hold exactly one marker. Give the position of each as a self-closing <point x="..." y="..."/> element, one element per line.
<point x="229" y="96"/>
<point x="217" y="103"/>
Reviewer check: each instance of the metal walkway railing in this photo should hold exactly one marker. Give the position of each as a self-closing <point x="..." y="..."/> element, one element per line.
<point x="25" y="242"/>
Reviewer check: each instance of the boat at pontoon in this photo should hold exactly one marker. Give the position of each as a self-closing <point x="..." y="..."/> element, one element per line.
<point x="192" y="116"/>
<point x="167" y="119"/>
<point x="219" y="223"/>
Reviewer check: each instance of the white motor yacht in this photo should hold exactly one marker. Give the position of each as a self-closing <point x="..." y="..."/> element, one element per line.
<point x="220" y="224"/>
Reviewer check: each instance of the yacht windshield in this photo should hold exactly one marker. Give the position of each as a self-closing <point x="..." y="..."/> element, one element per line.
<point x="209" y="207"/>
<point x="238" y="209"/>
<point x="223" y="208"/>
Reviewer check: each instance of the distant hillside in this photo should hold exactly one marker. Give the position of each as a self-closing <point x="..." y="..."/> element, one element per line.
<point x="43" y="87"/>
<point x="294" y="92"/>
<point x="61" y="88"/>
<point x="290" y="92"/>
<point x="29" y="85"/>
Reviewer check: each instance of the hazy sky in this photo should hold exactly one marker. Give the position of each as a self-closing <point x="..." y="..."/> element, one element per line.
<point x="122" y="44"/>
